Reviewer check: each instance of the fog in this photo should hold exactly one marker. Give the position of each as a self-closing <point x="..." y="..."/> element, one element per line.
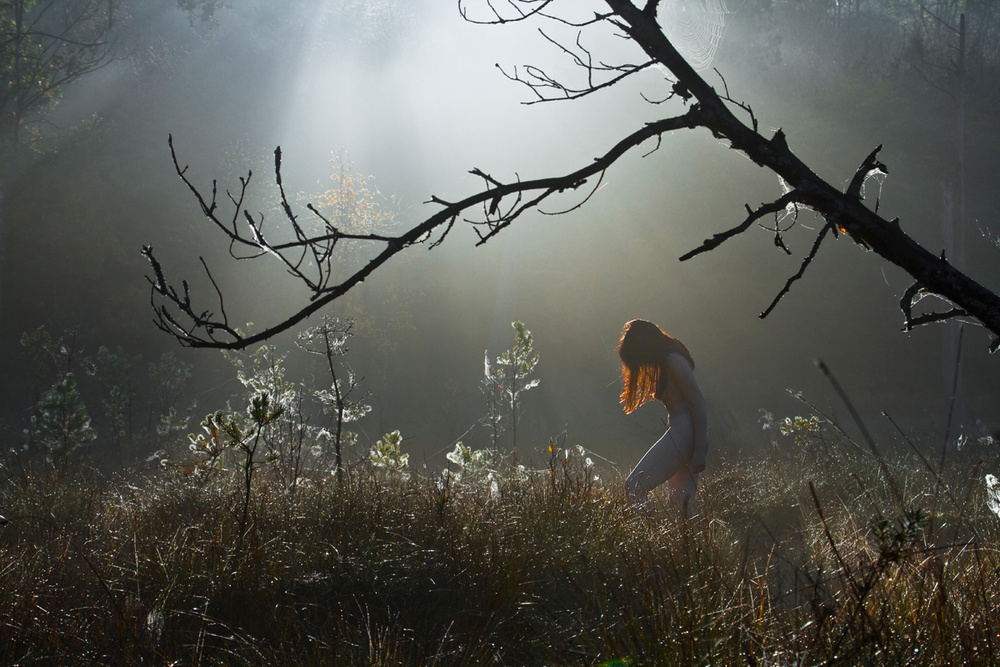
<point x="410" y="95"/>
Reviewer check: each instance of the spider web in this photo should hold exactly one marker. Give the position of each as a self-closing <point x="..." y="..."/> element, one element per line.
<point x="695" y="28"/>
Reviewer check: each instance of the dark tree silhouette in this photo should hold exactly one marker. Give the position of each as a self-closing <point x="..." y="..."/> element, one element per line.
<point x="310" y="256"/>
<point x="45" y="45"/>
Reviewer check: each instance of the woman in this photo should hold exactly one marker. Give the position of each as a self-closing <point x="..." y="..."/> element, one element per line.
<point x="657" y="365"/>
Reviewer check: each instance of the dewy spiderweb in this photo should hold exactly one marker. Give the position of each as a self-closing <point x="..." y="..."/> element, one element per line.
<point x="695" y="27"/>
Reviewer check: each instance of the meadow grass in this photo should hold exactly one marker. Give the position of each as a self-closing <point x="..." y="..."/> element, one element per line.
<point x="794" y="557"/>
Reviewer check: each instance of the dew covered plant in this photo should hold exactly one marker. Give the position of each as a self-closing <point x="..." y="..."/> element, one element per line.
<point x="387" y="454"/>
<point x="505" y="382"/>
<point x="329" y="341"/>
<point x="993" y="494"/>
<point x="472" y="465"/>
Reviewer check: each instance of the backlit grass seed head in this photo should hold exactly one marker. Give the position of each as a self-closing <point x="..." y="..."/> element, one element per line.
<point x="800" y="428"/>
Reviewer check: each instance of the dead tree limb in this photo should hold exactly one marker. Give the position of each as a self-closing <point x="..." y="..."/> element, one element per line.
<point x="503" y="203"/>
<point x="845" y="210"/>
<point x="309" y="258"/>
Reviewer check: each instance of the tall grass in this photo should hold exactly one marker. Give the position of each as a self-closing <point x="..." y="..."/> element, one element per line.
<point x="797" y="557"/>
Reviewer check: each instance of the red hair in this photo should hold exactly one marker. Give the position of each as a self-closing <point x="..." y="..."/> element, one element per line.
<point x="643" y="350"/>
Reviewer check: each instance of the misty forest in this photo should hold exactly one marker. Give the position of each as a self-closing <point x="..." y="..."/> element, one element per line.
<point x="310" y="314"/>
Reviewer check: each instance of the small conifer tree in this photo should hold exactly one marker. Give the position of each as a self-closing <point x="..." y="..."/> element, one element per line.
<point x="329" y="340"/>
<point x="61" y="425"/>
<point x="508" y="379"/>
<point x="387" y="454"/>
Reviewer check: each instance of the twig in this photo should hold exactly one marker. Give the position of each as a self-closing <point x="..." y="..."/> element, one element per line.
<point x="927" y="464"/>
<point x="869" y="165"/>
<point x="753" y="216"/>
<point x="802" y="269"/>
<point x="947" y="428"/>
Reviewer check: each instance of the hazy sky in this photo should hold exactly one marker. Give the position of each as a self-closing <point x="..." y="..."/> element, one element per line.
<point x="410" y="93"/>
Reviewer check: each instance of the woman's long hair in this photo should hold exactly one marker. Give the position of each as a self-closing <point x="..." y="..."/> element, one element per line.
<point x="643" y="349"/>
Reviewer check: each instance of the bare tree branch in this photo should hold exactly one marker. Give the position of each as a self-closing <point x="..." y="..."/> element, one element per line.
<point x="518" y="13"/>
<point x="206" y="330"/>
<point x="870" y="164"/>
<point x="753" y="216"/>
<point x="844" y="212"/>
<point x="802" y="269"/>
<point x="540" y="83"/>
